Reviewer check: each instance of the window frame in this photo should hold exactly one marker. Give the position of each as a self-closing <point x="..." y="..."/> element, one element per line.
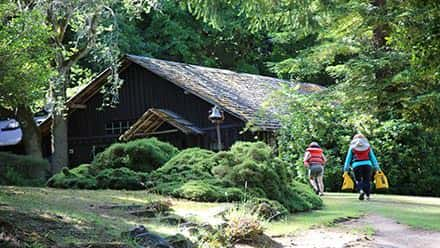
<point x="117" y="127"/>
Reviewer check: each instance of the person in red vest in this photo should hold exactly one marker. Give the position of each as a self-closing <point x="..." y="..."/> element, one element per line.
<point x="361" y="159"/>
<point x="315" y="160"/>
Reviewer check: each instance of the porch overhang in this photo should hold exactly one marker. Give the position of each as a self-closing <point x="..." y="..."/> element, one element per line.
<point x="153" y="118"/>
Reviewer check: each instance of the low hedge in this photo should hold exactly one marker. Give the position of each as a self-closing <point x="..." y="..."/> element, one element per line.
<point x="76" y="178"/>
<point x="200" y="190"/>
<point x="248" y="170"/>
<point x="142" y="155"/>
<point x="85" y="177"/>
<point x="121" y="178"/>
<point x="120" y="166"/>
<point x="22" y="170"/>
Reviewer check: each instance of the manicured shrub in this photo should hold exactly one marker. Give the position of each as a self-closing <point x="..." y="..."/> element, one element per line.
<point x="187" y="175"/>
<point x="76" y="178"/>
<point x="85" y="177"/>
<point x="266" y="176"/>
<point x="200" y="190"/>
<point x="22" y="170"/>
<point x="194" y="159"/>
<point x="305" y="191"/>
<point x="206" y="191"/>
<point x="248" y="170"/>
<point x="142" y="155"/>
<point x="189" y="164"/>
<point x="121" y="178"/>
<point x="301" y="198"/>
<point x="121" y="166"/>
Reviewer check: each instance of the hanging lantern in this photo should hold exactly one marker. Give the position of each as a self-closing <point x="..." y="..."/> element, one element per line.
<point x="216" y="114"/>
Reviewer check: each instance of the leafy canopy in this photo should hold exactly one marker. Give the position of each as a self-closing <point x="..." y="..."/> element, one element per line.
<point x="25" y="57"/>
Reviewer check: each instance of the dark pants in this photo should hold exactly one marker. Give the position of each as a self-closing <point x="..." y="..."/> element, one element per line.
<point x="363" y="177"/>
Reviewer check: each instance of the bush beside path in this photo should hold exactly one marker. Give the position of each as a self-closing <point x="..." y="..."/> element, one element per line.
<point x="249" y="171"/>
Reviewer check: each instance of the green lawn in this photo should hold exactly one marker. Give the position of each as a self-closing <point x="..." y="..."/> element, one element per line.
<point x="75" y="216"/>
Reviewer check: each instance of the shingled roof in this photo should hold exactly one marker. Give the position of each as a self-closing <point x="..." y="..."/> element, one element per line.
<point x="153" y="118"/>
<point x="240" y="94"/>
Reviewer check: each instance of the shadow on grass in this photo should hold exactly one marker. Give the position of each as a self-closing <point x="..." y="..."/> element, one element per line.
<point x="22" y="229"/>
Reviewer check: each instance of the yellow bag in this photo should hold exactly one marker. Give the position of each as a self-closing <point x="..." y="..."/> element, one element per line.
<point x="381" y="180"/>
<point x="348" y="183"/>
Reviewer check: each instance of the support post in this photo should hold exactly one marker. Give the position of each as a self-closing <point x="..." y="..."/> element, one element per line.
<point x="219" y="141"/>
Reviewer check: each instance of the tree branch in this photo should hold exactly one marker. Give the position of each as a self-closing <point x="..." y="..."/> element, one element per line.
<point x="52" y="19"/>
<point x="65" y="23"/>
<point x="91" y="39"/>
<point x="61" y="24"/>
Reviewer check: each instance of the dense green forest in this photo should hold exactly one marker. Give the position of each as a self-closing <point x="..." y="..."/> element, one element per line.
<point x="378" y="58"/>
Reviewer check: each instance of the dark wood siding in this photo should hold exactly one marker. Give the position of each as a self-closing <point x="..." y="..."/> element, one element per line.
<point x="143" y="90"/>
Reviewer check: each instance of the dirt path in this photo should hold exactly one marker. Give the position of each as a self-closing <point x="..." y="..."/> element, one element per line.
<point x="386" y="233"/>
<point x="390" y="234"/>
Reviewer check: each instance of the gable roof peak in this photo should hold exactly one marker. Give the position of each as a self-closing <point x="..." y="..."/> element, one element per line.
<point x="240" y="94"/>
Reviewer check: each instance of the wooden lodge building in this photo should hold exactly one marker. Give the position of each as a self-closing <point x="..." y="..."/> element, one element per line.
<point x="171" y="101"/>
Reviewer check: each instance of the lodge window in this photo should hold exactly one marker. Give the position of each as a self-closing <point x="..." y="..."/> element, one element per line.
<point x="117" y="127"/>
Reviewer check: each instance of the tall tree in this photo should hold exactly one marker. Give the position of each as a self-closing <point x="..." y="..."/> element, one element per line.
<point x="175" y="34"/>
<point x="383" y="57"/>
<point x="25" y="69"/>
<point x="77" y="27"/>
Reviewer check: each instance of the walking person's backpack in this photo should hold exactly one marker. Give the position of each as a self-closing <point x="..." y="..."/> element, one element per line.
<point x="361" y="155"/>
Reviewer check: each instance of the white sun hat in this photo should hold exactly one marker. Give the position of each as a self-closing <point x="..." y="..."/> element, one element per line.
<point x="360" y="144"/>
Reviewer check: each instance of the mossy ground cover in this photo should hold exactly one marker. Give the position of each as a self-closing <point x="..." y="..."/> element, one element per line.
<point x="120" y="166"/>
<point x="248" y="171"/>
<point x="75" y="216"/>
<point x="141" y="155"/>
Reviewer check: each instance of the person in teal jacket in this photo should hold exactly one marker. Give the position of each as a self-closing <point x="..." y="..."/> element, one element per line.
<point x="361" y="158"/>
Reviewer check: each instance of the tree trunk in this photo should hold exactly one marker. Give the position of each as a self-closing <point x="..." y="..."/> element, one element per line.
<point x="31" y="132"/>
<point x="60" y="147"/>
<point x="380" y="30"/>
<point x="60" y="157"/>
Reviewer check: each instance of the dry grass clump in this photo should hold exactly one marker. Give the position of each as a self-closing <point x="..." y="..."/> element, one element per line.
<point x="240" y="226"/>
<point x="243" y="225"/>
